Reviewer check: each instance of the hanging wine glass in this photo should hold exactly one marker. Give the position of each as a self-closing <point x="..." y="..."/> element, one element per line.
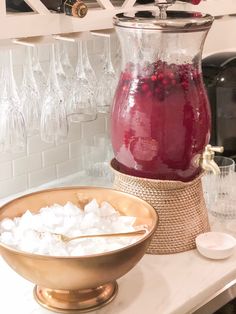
<point x="88" y="69"/>
<point x="53" y="123"/>
<point x="38" y="72"/>
<point x="82" y="106"/>
<point x="30" y="98"/>
<point x="108" y="81"/>
<point x="66" y="64"/>
<point x="12" y="124"/>
<point x="63" y="79"/>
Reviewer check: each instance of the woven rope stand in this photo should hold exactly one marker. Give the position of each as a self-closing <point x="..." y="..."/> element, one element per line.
<point x="180" y="206"/>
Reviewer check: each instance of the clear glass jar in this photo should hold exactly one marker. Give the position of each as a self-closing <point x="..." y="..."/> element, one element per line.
<point x="161" y="120"/>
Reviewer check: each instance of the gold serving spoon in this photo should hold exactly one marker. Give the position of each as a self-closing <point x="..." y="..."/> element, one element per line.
<point x="66" y="239"/>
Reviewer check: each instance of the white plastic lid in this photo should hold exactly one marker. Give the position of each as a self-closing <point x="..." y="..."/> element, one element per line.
<point x="215" y="245"/>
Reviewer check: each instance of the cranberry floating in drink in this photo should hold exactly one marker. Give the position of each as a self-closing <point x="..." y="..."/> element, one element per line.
<point x="160" y="117"/>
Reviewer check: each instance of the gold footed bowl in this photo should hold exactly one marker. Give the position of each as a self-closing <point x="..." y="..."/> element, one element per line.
<point x="85" y="283"/>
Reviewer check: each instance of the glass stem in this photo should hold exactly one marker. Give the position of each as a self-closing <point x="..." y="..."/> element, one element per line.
<point x="59" y="68"/>
<point x="53" y="81"/>
<point x="108" y="54"/>
<point x="80" y="63"/>
<point x="10" y="87"/>
<point x="36" y="66"/>
<point x="66" y="60"/>
<point x="85" y="51"/>
<point x="11" y="75"/>
<point x="28" y="69"/>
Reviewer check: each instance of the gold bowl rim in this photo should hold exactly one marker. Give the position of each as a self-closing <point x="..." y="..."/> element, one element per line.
<point x="41" y="256"/>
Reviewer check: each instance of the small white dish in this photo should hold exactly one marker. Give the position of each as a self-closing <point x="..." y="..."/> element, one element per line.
<point x="215" y="245"/>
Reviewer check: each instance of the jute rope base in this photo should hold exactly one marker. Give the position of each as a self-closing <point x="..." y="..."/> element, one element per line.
<point x="180" y="206"/>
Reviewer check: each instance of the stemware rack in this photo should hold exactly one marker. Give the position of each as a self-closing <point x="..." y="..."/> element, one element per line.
<point x="43" y="22"/>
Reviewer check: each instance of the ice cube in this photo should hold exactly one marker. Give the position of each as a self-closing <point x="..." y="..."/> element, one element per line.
<point x="58" y="249"/>
<point x="29" y="242"/>
<point x="107" y="210"/>
<point x="7" y="238"/>
<point x="89" y="220"/>
<point x="7" y="224"/>
<point x="26" y="219"/>
<point x="127" y="220"/>
<point x="50" y="219"/>
<point x="113" y="246"/>
<point x="73" y="210"/>
<point x="77" y="251"/>
<point x="91" y="206"/>
<point x="58" y="210"/>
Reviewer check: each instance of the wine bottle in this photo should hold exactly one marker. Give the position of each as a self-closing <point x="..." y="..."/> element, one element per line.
<point x="195" y="2"/>
<point x="191" y="1"/>
<point x="22" y="6"/>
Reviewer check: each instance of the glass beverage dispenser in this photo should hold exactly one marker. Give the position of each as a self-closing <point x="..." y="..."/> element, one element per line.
<point x="161" y="117"/>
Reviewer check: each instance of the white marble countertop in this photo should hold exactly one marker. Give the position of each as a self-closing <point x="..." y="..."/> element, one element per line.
<point x="158" y="284"/>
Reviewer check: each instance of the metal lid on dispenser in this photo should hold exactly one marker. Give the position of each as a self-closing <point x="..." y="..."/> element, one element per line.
<point x="181" y="21"/>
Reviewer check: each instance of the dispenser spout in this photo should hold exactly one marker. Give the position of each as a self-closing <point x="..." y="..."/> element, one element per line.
<point x="207" y="159"/>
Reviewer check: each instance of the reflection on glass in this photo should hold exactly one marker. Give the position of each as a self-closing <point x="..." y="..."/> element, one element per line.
<point x="54" y="124"/>
<point x="30" y="98"/>
<point x="82" y="106"/>
<point x="108" y="81"/>
<point x="12" y="125"/>
<point x="38" y="72"/>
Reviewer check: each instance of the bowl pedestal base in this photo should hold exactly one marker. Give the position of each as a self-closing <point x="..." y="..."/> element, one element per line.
<point x="76" y="301"/>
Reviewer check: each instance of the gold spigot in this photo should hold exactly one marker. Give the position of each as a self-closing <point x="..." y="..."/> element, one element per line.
<point x="207" y="159"/>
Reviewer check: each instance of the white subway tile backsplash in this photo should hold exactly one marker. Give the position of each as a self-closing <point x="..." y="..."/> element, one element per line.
<point x="42" y="176"/>
<point x="10" y="156"/>
<point x="76" y="148"/>
<point x="5" y="170"/>
<point x="20" y="166"/>
<point x="35" y="162"/>
<point x="13" y="185"/>
<point x="93" y="127"/>
<point x="56" y="155"/>
<point x="74" y="131"/>
<point x="27" y="164"/>
<point x="36" y="145"/>
<point x="69" y="167"/>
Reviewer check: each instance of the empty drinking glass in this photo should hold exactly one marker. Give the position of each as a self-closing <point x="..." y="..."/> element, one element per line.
<point x="219" y="190"/>
<point x="12" y="124"/>
<point x="82" y="105"/>
<point x="53" y="124"/>
<point x="97" y="156"/>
